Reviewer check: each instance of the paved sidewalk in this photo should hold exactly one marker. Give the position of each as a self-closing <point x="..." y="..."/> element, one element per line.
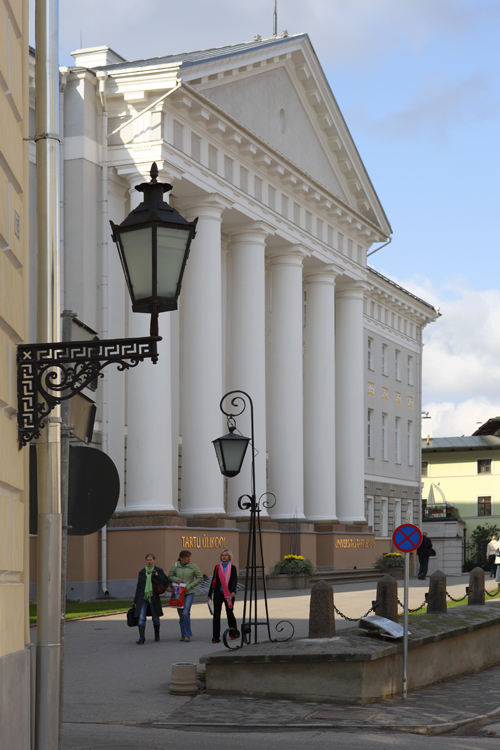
<point x="111" y="681"/>
<point x="434" y="710"/>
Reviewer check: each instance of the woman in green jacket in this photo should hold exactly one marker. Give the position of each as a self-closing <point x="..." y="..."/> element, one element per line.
<point x="186" y="572"/>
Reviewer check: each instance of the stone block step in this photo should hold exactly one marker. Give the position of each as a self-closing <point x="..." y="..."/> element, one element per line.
<point x="359" y="575"/>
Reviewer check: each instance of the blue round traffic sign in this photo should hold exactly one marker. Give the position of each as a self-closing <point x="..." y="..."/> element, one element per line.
<point x="407" y="537"/>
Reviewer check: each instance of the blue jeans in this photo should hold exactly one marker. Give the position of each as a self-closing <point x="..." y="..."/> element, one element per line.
<point x="185" y="616"/>
<point x="144" y="612"/>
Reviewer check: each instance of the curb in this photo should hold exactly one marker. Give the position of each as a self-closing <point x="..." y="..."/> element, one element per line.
<point x="423" y="729"/>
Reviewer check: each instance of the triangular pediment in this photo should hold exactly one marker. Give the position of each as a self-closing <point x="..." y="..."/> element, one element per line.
<point x="268" y="104"/>
<point x="286" y="101"/>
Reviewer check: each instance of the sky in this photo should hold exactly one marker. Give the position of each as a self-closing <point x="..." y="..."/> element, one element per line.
<point x="419" y="86"/>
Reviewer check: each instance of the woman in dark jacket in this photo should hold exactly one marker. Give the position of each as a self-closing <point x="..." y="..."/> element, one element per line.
<point x="223" y="589"/>
<point x="146" y="600"/>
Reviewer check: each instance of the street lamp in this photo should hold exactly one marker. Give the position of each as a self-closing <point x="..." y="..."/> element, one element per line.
<point x="230" y="450"/>
<point x="153" y="244"/>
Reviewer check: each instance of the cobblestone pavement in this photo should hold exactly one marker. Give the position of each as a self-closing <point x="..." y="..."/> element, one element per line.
<point x="434" y="710"/>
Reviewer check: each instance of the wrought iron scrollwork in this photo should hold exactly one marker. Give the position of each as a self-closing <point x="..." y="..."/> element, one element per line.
<point x="56" y="372"/>
<point x="255" y="575"/>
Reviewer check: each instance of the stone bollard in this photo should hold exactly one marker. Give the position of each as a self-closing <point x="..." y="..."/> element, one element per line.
<point x="436" y="600"/>
<point x="386" y="604"/>
<point x="183" y="680"/>
<point x="476" y="586"/>
<point x="321" y="612"/>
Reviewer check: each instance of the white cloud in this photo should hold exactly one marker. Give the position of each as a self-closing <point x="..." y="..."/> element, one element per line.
<point x="461" y="363"/>
<point x="437" y="106"/>
<point x="453" y="420"/>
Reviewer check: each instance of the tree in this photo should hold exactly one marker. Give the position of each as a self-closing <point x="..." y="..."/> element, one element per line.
<point x="478" y="540"/>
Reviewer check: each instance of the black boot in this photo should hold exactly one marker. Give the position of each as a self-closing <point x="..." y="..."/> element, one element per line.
<point x="157" y="633"/>
<point x="142" y="637"/>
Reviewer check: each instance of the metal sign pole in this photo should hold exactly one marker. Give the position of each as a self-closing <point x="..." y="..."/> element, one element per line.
<point x="405" y="626"/>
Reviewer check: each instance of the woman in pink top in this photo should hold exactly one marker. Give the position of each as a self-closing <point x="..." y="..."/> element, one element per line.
<point x="223" y="589"/>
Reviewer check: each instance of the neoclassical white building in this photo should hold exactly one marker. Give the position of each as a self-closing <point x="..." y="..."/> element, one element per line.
<point x="277" y="299"/>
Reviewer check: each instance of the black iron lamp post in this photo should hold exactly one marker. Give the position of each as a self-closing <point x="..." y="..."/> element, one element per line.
<point x="230" y="451"/>
<point x="153" y="243"/>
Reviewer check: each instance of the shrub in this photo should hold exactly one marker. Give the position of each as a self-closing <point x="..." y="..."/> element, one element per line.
<point x="389" y="560"/>
<point x="296" y="565"/>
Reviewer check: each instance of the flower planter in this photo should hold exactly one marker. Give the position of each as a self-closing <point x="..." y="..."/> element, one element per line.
<point x="282" y="582"/>
<point x="397" y="573"/>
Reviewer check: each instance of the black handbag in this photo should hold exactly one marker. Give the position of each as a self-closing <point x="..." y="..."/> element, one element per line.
<point x="132" y="618"/>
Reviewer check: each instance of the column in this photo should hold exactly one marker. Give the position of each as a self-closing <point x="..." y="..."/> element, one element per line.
<point x="319" y="395"/>
<point x="285" y="407"/>
<point x="202" y="382"/>
<point x="247" y="350"/>
<point x="349" y="402"/>
<point x="149" y="415"/>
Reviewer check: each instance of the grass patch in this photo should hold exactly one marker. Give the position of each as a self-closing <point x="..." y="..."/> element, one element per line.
<point x="86" y="609"/>
<point x="449" y="605"/>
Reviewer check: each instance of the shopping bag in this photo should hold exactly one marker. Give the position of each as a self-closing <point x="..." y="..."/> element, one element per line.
<point x="177" y="596"/>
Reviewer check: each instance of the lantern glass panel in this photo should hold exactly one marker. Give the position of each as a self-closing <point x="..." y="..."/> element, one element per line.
<point x="171" y="246"/>
<point x="137" y="250"/>
<point x="230" y="451"/>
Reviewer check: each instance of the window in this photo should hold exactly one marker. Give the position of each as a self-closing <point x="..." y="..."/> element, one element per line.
<point x="369" y="432"/>
<point x="397" y="513"/>
<point x="410" y="370"/>
<point x="370" y="354"/>
<point x="409" y="442"/>
<point x="484" y="466"/>
<point x="228" y="168"/>
<point x="369" y="511"/>
<point x="212" y="158"/>
<point x="425" y="468"/>
<point x="397" y="363"/>
<point x="385" y="368"/>
<point x="384" y="437"/>
<point x="384" y="517"/>
<point x="196" y="147"/>
<point x="397" y="435"/>
<point x="484" y="506"/>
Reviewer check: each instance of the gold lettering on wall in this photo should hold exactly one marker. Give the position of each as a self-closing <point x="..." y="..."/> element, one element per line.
<point x="203" y="541"/>
<point x="355" y="543"/>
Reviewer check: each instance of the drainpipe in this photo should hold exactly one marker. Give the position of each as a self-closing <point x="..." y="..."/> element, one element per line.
<point x="63" y="78"/>
<point x="48" y="330"/>
<point x="102" y="76"/>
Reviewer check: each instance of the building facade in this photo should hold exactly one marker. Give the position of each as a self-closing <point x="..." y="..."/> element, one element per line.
<point x="14" y="284"/>
<point x="463" y="471"/>
<point x="277" y="301"/>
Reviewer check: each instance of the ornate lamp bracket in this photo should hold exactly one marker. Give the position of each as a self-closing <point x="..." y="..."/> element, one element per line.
<point x="50" y="373"/>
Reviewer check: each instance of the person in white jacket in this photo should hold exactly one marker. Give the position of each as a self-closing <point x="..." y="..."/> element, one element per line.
<point x="492" y="550"/>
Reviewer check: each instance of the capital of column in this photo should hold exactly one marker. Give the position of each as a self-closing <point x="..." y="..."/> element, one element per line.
<point x="209" y="206"/>
<point x="354" y="289"/>
<point x="324" y="274"/>
<point x="293" y="255"/>
<point x="255" y="232"/>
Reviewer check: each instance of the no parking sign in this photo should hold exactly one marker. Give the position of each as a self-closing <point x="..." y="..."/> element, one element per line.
<point x="406" y="538"/>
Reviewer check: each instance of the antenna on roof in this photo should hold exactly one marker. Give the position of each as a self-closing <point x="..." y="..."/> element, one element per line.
<point x="275" y="19"/>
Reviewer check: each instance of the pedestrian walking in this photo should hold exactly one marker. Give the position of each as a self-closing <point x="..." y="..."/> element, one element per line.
<point x="186" y="572"/>
<point x="424" y="551"/>
<point x="223" y="589"/>
<point x="492" y="550"/>
<point x="146" y="600"/>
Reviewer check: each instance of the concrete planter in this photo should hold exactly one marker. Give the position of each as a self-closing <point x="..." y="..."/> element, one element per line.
<point x="397" y="573"/>
<point x="282" y="582"/>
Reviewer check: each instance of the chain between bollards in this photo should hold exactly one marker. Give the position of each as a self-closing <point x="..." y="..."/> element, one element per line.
<point x="351" y="619"/>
